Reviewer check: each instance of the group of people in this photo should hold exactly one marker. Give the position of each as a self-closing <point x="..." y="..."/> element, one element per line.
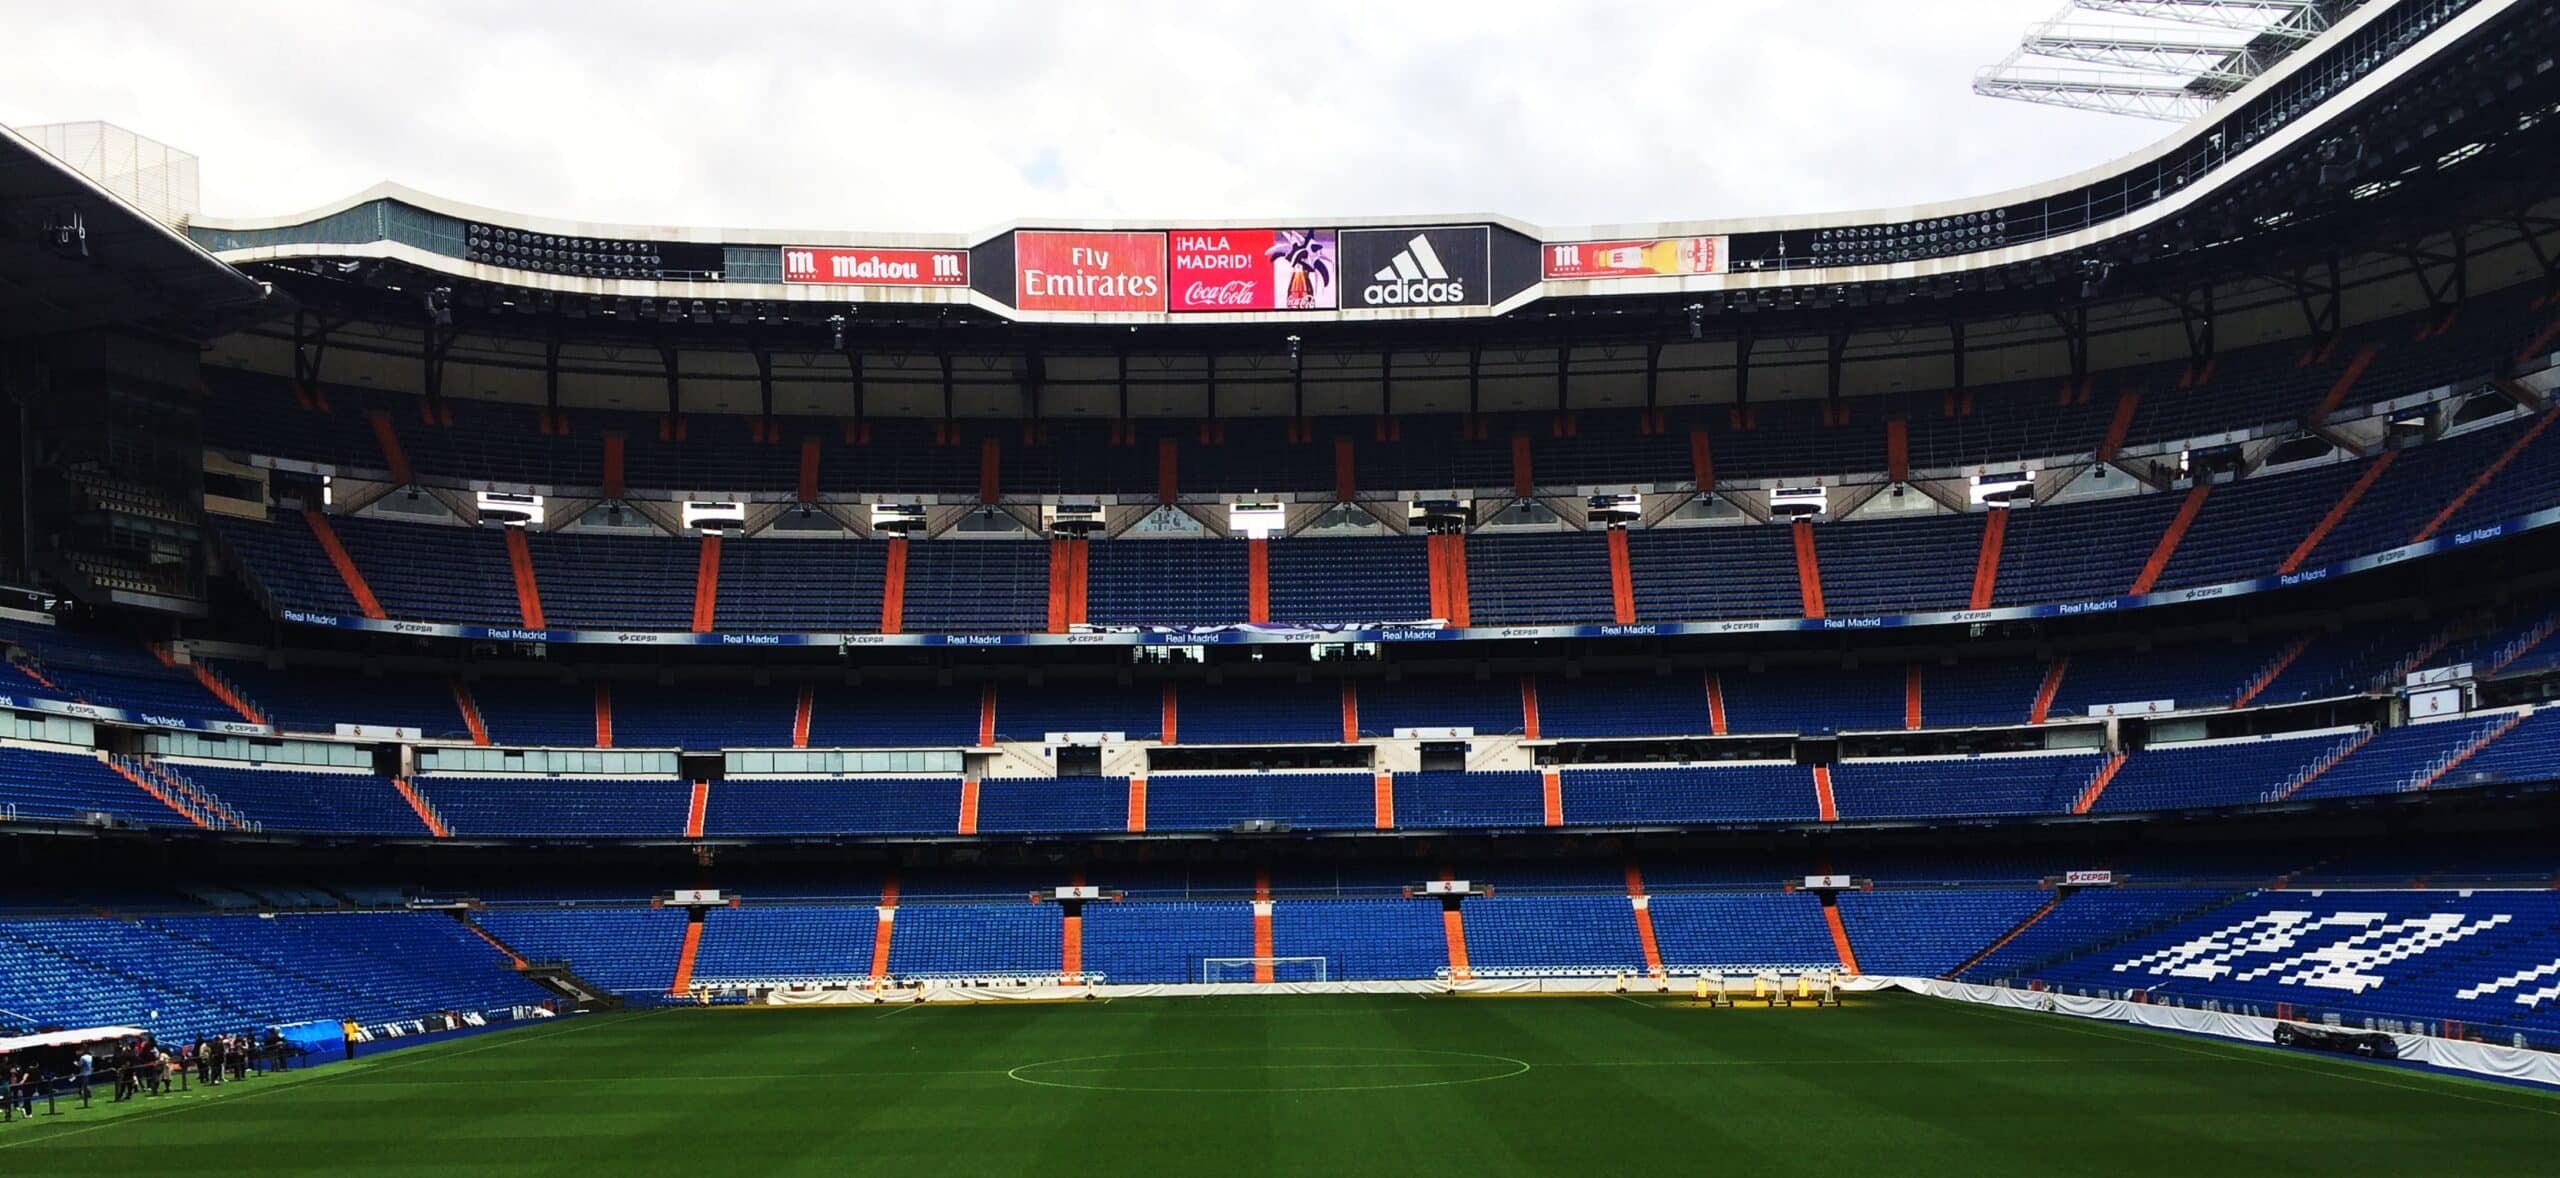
<point x="141" y="1066"/>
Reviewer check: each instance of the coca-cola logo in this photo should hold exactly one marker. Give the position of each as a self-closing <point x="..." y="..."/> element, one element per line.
<point x="1238" y="293"/>
<point x="1252" y="269"/>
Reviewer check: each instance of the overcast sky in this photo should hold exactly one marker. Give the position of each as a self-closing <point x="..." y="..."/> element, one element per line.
<point x="951" y="115"/>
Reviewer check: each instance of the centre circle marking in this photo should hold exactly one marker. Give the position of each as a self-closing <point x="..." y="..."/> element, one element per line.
<point x="1200" y="1071"/>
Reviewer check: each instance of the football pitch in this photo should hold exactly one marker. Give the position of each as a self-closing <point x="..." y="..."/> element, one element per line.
<point x="1408" y="1085"/>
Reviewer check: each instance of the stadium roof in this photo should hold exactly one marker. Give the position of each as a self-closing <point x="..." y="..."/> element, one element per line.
<point x="74" y="256"/>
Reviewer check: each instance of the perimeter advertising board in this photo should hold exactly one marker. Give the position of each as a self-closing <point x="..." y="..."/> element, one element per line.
<point x="1254" y="269"/>
<point x="1101" y="272"/>
<point x="1635" y="259"/>
<point x="1449" y="266"/>
<point x="826" y="265"/>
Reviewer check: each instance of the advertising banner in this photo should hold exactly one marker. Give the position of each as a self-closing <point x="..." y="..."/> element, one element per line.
<point x="1828" y="882"/>
<point x="829" y="266"/>
<point x="1635" y="259"/>
<point x="1059" y="271"/>
<point x="1390" y="268"/>
<point x="2089" y="879"/>
<point x="1254" y="269"/>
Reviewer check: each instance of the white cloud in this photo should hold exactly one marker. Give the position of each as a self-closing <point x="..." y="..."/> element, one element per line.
<point x="960" y="114"/>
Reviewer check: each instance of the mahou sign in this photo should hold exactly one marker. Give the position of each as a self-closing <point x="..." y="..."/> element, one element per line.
<point x="1055" y="271"/>
<point x="1635" y="259"/>
<point x="874" y="267"/>
<point x="1252" y="269"/>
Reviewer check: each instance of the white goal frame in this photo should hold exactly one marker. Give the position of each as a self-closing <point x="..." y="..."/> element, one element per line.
<point x="1210" y="967"/>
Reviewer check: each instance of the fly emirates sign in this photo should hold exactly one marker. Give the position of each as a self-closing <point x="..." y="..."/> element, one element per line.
<point x="1089" y="271"/>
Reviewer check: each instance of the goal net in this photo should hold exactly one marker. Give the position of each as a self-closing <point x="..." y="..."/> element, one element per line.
<point x="1252" y="969"/>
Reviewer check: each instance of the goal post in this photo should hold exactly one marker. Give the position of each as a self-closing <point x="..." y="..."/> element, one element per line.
<point x="1279" y="969"/>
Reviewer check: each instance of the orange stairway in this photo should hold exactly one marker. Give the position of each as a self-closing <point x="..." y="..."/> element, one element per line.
<point x="1986" y="951"/>
<point x="2486" y="475"/>
<point x="1808" y="569"/>
<point x="144" y="783"/>
<point x="394" y="459"/>
<point x="1622" y="579"/>
<point x="2098" y="785"/>
<point x="1839" y="933"/>
<point x="2268" y="674"/>
<point x="706" y="584"/>
<point x="528" y="592"/>
<point x="604" y="716"/>
<point x="221" y="689"/>
<point x="893" y="587"/>
<point x="2169" y="538"/>
<point x="685" y="956"/>
<point x="1262" y="935"/>
<point x="1643" y="906"/>
<point x="697" y="810"/>
<point x="2337" y="511"/>
<point x="427" y="815"/>
<point x="880" y="937"/>
<point x="1986" y="563"/>
<point x="357" y="588"/>
<point x="1257" y="568"/>
<point x="2051" y="687"/>
<point x="470" y="714"/>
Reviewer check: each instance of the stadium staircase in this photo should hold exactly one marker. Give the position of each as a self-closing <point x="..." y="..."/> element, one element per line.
<point x="2042" y="911"/>
<point x="528" y="591"/>
<point x="2487" y="474"/>
<point x="1839" y="933"/>
<point x="2097" y="786"/>
<point x="1642" y="906"/>
<point x="888" y="924"/>
<point x="357" y="588"/>
<point x="418" y="804"/>
<point x="555" y="976"/>
<point x="2048" y="689"/>
<point x="893" y="588"/>
<point x="2337" y="511"/>
<point x="148" y="783"/>
<point x="2312" y="772"/>
<point x="395" y="457"/>
<point x="2268" y="674"/>
<point x="1808" y="569"/>
<point x="706" y="584"/>
<point x="470" y="709"/>
<point x="2170" y="537"/>
<point x="1986" y="562"/>
<point x="2454" y="760"/>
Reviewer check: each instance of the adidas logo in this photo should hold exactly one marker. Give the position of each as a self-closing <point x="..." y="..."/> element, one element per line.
<point x="1413" y="278"/>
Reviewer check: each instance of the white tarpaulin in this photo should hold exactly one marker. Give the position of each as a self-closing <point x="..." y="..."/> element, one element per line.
<point x="68" y="1038"/>
<point x="2486" y="1059"/>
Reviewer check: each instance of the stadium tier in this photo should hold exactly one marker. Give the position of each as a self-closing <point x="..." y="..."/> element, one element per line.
<point x="2092" y="549"/>
<point x="464" y="441"/>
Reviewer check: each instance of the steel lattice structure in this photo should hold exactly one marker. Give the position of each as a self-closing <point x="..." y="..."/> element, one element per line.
<point x="2182" y="58"/>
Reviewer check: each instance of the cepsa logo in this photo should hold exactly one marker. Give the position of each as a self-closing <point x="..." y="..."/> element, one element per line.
<point x="1088" y="271"/>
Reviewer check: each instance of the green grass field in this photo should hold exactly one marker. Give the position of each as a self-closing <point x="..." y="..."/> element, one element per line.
<point x="1212" y="1088"/>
